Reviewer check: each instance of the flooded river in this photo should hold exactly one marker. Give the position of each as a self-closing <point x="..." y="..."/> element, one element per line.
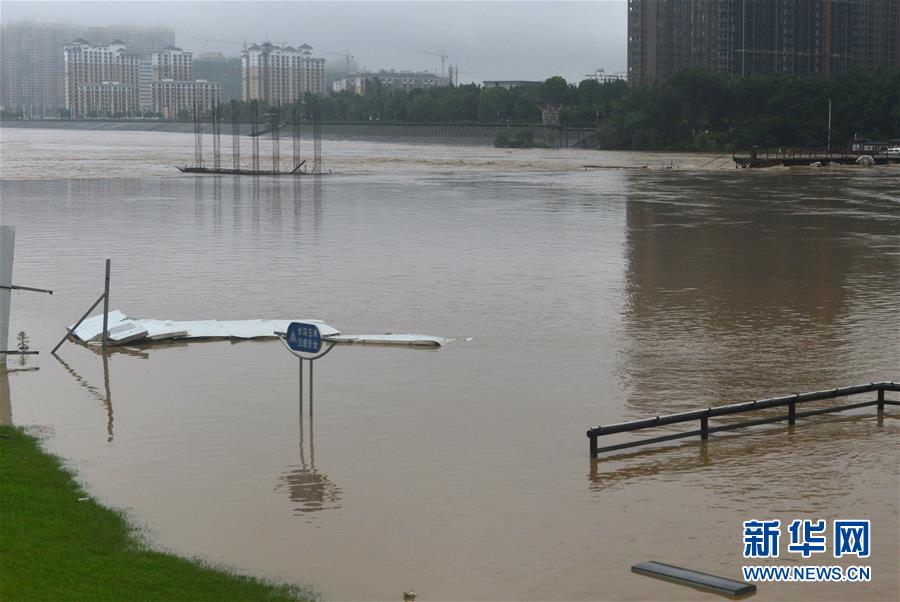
<point x="592" y="296"/>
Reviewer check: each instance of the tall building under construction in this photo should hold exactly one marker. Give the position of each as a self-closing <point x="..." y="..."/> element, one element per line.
<point x="752" y="37"/>
<point x="31" y="59"/>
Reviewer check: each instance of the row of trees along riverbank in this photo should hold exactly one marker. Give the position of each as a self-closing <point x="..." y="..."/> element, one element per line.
<point x="695" y="110"/>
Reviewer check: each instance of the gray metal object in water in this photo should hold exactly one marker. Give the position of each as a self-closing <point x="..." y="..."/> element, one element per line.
<point x="704" y="581"/>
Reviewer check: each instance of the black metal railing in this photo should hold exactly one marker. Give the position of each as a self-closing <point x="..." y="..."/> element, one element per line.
<point x="703" y="416"/>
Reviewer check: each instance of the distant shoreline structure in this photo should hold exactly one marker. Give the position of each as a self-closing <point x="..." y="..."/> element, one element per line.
<point x="472" y="135"/>
<point x="456" y="134"/>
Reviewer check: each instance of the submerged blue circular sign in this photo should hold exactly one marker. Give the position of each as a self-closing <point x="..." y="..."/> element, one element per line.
<point x="303" y="337"/>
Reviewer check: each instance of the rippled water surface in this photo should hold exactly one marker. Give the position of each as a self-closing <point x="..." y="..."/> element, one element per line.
<point x="592" y="296"/>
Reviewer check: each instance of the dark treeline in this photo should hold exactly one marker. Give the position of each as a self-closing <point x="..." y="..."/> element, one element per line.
<point x="695" y="110"/>
<point x="467" y="104"/>
<point x="704" y="111"/>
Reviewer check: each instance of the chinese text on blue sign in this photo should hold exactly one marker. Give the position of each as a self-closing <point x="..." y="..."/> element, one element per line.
<point x="304" y="338"/>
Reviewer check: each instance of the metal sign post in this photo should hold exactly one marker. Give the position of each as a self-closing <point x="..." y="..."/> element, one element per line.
<point x="305" y="341"/>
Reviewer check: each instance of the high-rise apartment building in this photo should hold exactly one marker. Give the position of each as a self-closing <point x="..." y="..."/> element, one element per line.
<point x="105" y="98"/>
<point x="666" y="36"/>
<point x="280" y="75"/>
<point x="752" y="37"/>
<point x="173" y="97"/>
<point x="877" y="31"/>
<point x="142" y="41"/>
<point x="808" y="37"/>
<point x="31" y="58"/>
<point x="145" y="77"/>
<point x="86" y="66"/>
<point x="172" y="63"/>
<point x="174" y="91"/>
<point x="31" y="67"/>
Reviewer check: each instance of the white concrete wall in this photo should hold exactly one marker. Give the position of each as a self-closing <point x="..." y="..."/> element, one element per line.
<point x="7" y="244"/>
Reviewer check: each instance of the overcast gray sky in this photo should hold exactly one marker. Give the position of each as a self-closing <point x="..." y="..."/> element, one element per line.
<point x="487" y="40"/>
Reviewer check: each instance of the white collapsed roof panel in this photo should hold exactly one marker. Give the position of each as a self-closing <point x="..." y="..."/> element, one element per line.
<point x="159" y="330"/>
<point x="126" y="332"/>
<point x="201" y="329"/>
<point x="123" y="329"/>
<point x="91" y="329"/>
<point x="416" y="340"/>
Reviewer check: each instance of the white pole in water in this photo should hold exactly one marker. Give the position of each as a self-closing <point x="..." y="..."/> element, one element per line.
<point x="7" y="245"/>
<point x="829" y="124"/>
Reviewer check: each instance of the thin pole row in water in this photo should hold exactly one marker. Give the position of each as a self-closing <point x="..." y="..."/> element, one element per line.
<point x="254" y="132"/>
<point x="198" y="137"/>
<point x="317" y="138"/>
<point x="276" y="150"/>
<point x="295" y="122"/>
<point x="272" y="118"/>
<point x="217" y="142"/>
<point x="235" y="136"/>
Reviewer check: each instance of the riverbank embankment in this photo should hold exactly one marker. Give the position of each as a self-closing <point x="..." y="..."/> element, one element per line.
<point x="60" y="544"/>
<point x="404" y="133"/>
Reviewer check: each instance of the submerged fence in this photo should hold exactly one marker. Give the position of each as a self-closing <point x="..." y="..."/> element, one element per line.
<point x="703" y="416"/>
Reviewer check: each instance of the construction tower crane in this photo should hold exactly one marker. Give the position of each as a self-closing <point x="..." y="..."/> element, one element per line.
<point x="444" y="57"/>
<point x="349" y="57"/>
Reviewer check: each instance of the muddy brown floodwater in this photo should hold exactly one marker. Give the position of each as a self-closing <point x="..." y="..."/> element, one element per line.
<point x="593" y="297"/>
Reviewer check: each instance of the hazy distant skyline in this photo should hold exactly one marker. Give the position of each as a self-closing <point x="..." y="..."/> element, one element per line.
<point x="488" y="40"/>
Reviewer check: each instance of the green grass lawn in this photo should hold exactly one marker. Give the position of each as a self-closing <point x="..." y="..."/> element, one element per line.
<point x="55" y="547"/>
